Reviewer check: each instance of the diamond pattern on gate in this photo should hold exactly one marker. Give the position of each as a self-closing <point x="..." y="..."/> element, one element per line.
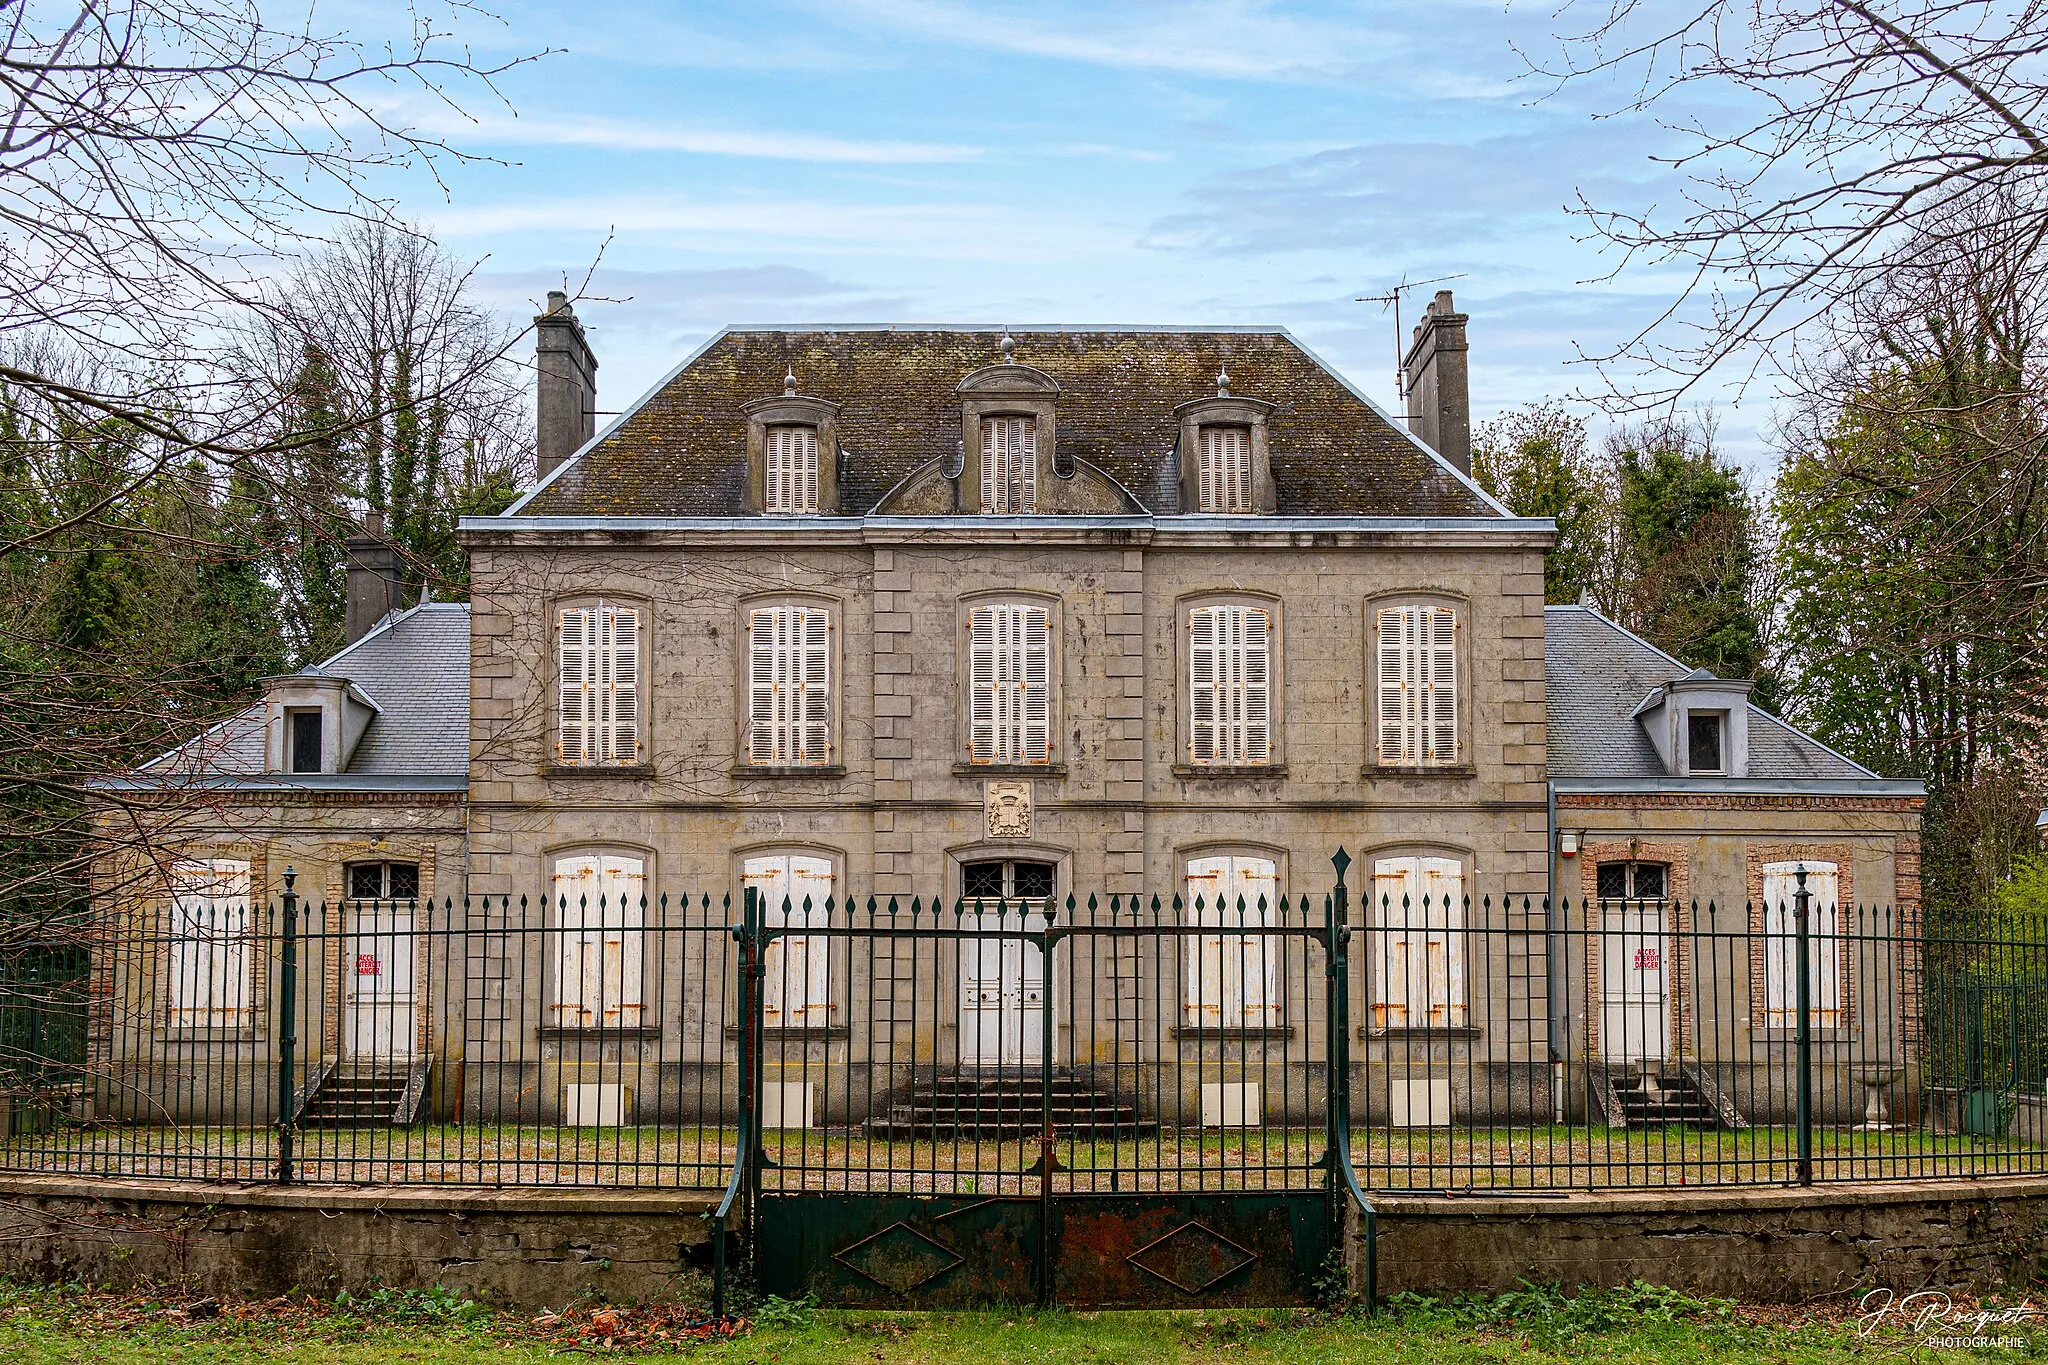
<point x="1192" y="1258"/>
<point x="899" y="1257"/>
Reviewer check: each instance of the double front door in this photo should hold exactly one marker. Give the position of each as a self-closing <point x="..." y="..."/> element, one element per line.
<point x="1002" y="978"/>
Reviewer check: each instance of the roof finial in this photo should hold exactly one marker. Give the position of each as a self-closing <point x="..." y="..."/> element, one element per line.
<point x="1223" y="381"/>
<point x="1006" y="346"/>
<point x="789" y="382"/>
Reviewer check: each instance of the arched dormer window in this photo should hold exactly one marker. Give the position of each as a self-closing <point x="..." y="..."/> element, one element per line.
<point x="1225" y="467"/>
<point x="1009" y="431"/>
<point x="792" y="454"/>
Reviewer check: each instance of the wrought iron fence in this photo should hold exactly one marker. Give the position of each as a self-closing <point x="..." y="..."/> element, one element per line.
<point x="1108" y="1043"/>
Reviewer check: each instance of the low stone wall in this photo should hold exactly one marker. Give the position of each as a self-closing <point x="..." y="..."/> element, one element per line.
<point x="1764" y="1245"/>
<point x="534" y="1248"/>
<point x="519" y="1248"/>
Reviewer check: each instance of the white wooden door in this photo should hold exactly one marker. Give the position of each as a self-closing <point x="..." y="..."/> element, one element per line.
<point x="1635" y="964"/>
<point x="1002" y="993"/>
<point x="795" y="891"/>
<point x="380" y="975"/>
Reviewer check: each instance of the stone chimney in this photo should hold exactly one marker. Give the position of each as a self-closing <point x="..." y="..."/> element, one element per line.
<point x="567" y="387"/>
<point x="1439" y="388"/>
<point x="375" y="585"/>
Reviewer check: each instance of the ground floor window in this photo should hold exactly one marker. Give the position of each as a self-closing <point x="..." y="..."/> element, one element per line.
<point x="209" y="949"/>
<point x="600" y="909"/>
<point x="1781" y="944"/>
<point x="383" y="881"/>
<point x="1632" y="881"/>
<point x="1009" y="880"/>
<point x="795" y="892"/>
<point x="1418" y="957"/>
<point x="1232" y="976"/>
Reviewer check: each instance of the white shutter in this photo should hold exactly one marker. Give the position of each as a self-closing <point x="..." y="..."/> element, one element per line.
<point x="1232" y="982"/>
<point x="1437" y="656"/>
<point x="599" y="908"/>
<point x="1397" y="728"/>
<point x="981" y="685"/>
<point x="1009" y="464"/>
<point x="795" y="891"/>
<point x="1230" y="718"/>
<point x="599" y="691"/>
<point x="208" y="962"/>
<point x="790" y="481"/>
<point x="1418" y="961"/>
<point x="1418" y="686"/>
<point x="621" y="676"/>
<point x="578" y="636"/>
<point x="1009" y="684"/>
<point x="1781" y="944"/>
<point x="1224" y="470"/>
<point x="789" y="686"/>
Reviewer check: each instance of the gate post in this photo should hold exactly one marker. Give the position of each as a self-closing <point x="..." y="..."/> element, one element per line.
<point x="1047" y="1162"/>
<point x="288" y="1030"/>
<point x="1803" y="994"/>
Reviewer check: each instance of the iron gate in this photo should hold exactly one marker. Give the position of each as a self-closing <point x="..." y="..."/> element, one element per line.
<point x="1106" y="1101"/>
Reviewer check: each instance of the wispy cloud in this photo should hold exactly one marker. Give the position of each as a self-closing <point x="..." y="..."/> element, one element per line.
<point x="953" y="231"/>
<point x="1242" y="39"/>
<point x="631" y="135"/>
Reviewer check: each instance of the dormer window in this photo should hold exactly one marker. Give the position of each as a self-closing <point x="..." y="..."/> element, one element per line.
<point x="304" y="740"/>
<point x="312" y="723"/>
<point x="1226" y="468"/>
<point x="1009" y="465"/>
<point x="792" y="454"/>
<point x="1008" y="419"/>
<point x="1703" y="750"/>
<point x="791" y="481"/>
<point x="1224" y="473"/>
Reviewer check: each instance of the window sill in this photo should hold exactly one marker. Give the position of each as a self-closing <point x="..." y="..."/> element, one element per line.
<point x="799" y="1033"/>
<point x="1433" y="770"/>
<point x="1790" y="1036"/>
<point x="828" y="770"/>
<point x="1462" y="1033"/>
<point x="614" y="770"/>
<point x="1009" y="770"/>
<point x="1203" y="1033"/>
<point x="208" y="1035"/>
<point x="600" y="1033"/>
<point x="1230" y="770"/>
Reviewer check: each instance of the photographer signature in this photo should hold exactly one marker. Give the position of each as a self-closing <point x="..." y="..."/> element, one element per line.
<point x="1931" y="1310"/>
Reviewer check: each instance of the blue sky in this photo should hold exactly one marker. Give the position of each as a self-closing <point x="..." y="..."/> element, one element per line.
<point x="1214" y="161"/>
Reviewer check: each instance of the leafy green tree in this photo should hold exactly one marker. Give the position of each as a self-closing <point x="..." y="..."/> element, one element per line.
<point x="1538" y="462"/>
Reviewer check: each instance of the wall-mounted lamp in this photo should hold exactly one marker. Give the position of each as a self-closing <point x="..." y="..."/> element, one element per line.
<point x="1568" y="843"/>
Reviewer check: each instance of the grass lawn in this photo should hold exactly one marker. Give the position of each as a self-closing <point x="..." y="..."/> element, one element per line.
<point x="40" y="1326"/>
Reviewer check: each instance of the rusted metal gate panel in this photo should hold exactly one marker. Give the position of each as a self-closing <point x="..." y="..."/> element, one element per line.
<point x="880" y="1250"/>
<point x="1243" y="1249"/>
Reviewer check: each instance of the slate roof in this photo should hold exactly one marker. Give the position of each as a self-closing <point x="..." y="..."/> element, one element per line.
<point x="1598" y="673"/>
<point x="415" y="666"/>
<point x="682" y="451"/>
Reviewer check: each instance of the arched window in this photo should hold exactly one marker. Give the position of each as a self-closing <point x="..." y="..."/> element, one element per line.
<point x="1233" y="981"/>
<point x="599" y="903"/>
<point x="795" y="891"/>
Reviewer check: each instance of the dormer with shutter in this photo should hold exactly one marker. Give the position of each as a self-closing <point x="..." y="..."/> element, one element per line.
<point x="1226" y="467"/>
<point x="792" y="453"/>
<point x="1008" y="434"/>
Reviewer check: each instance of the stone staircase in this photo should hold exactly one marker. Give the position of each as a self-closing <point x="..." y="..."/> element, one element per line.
<point x="381" y="1096"/>
<point x="1008" y="1105"/>
<point x="1673" y="1096"/>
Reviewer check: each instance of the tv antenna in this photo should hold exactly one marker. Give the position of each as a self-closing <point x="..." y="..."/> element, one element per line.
<point x="1392" y="299"/>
